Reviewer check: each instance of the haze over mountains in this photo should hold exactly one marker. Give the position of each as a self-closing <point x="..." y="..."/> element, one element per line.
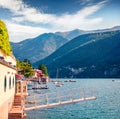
<point x="38" y="48"/>
<point x="94" y="55"/>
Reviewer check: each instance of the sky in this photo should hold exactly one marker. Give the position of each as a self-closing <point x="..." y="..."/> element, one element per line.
<point x="29" y="18"/>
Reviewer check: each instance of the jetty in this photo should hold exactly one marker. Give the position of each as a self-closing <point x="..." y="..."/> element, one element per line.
<point x="53" y="99"/>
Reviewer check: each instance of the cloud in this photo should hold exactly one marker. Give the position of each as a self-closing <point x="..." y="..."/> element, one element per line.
<point x="19" y="32"/>
<point x="35" y="16"/>
<point x="80" y="19"/>
<point x="84" y="2"/>
<point x="15" y="6"/>
<point x="24" y="13"/>
<point x="90" y="2"/>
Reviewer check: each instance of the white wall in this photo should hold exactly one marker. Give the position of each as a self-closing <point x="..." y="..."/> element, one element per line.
<point x="6" y="96"/>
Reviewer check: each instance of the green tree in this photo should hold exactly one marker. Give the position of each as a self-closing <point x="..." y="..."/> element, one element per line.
<point x="27" y="61"/>
<point x="25" y="68"/>
<point x="4" y="39"/>
<point x="44" y="69"/>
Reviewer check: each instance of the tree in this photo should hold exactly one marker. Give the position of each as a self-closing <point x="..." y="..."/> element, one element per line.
<point x="4" y="39"/>
<point x="27" y="61"/>
<point x="44" y="69"/>
<point x="25" y="68"/>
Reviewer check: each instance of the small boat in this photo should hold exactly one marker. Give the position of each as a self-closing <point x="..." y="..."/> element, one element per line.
<point x="30" y="102"/>
<point x="115" y="80"/>
<point x="41" y="87"/>
<point x="29" y="86"/>
<point x="44" y="87"/>
<point x="69" y="81"/>
<point x="58" y="84"/>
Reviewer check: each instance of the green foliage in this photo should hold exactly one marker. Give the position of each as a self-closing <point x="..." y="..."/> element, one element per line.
<point x="44" y="69"/>
<point x="25" y="68"/>
<point x="27" y="61"/>
<point x="4" y="39"/>
<point x="94" y="55"/>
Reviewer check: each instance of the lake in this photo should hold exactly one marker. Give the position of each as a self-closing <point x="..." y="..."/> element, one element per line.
<point x="106" y="106"/>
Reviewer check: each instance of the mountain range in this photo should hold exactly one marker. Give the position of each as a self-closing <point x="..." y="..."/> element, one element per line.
<point x="38" y="48"/>
<point x="74" y="33"/>
<point x="93" y="55"/>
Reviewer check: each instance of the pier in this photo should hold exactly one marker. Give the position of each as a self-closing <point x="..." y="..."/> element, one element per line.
<point x="54" y="99"/>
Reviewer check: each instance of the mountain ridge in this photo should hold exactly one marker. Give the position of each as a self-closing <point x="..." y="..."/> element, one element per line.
<point x="43" y="45"/>
<point x="89" y="55"/>
<point x="76" y="32"/>
<point x="37" y="48"/>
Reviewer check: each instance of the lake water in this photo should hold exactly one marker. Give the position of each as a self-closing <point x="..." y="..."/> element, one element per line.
<point x="106" y="106"/>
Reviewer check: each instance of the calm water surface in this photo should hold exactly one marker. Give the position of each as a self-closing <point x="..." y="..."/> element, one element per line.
<point x="106" y="106"/>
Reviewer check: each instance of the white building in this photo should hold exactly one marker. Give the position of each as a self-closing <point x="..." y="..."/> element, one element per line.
<point x="7" y="83"/>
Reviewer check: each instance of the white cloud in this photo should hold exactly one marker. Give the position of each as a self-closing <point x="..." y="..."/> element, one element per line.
<point x="20" y="32"/>
<point x="22" y="12"/>
<point x="90" y="2"/>
<point x="84" y="2"/>
<point x="33" y="15"/>
<point x="80" y="19"/>
<point x="14" y="6"/>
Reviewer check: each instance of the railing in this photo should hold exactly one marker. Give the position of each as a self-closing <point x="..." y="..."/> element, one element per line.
<point x="21" y="88"/>
<point x="59" y="98"/>
<point x="8" y="64"/>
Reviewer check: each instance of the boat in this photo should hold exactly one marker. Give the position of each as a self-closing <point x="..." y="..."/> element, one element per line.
<point x="69" y="81"/>
<point x="58" y="84"/>
<point x="30" y="102"/>
<point x="115" y="80"/>
<point x="29" y="86"/>
<point x="41" y="87"/>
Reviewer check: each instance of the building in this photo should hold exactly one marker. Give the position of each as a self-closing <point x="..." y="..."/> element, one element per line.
<point x="12" y="93"/>
<point x="40" y="76"/>
<point x="8" y="71"/>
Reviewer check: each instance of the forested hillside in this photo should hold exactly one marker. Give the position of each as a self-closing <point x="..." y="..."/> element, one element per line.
<point x="91" y="55"/>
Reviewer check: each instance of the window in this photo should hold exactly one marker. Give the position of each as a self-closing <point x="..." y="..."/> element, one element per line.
<point x="5" y="84"/>
<point x="10" y="83"/>
<point x="13" y="81"/>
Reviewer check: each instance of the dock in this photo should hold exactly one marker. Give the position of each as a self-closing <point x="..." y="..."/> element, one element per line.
<point x="60" y="103"/>
<point x="53" y="99"/>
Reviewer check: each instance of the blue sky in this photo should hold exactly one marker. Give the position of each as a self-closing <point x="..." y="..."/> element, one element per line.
<point x="30" y="18"/>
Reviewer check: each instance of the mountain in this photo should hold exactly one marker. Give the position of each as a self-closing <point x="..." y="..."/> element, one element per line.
<point x="74" y="33"/>
<point x="94" y="55"/>
<point x="40" y="47"/>
<point x="71" y="34"/>
<point x="116" y="28"/>
<point x="37" y="48"/>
